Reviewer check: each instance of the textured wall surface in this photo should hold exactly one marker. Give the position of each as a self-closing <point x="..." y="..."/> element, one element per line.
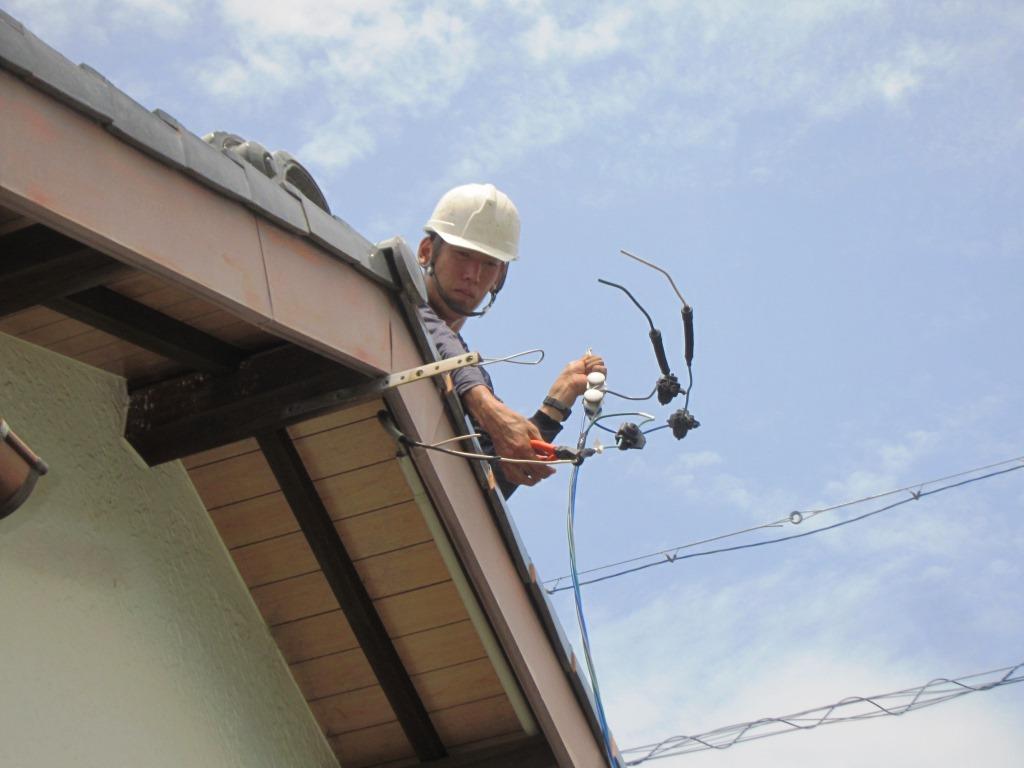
<point x="126" y="635"/>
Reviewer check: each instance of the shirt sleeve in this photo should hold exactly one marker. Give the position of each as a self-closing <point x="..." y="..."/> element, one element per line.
<point x="449" y="344"/>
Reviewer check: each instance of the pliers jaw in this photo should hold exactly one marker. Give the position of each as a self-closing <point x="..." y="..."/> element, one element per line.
<point x="548" y="452"/>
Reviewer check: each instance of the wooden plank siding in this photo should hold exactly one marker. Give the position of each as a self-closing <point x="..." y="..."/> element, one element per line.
<point x="352" y="463"/>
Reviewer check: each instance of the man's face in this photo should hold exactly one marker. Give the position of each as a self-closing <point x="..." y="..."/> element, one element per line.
<point x="465" y="278"/>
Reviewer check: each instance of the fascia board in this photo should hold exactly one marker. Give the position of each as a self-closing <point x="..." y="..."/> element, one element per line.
<point x="162" y="137"/>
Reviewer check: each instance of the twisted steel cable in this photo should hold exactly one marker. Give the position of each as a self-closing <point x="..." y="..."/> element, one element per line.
<point x="893" y="704"/>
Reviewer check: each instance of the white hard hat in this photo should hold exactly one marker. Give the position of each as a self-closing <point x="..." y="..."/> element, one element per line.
<point x="479" y="217"/>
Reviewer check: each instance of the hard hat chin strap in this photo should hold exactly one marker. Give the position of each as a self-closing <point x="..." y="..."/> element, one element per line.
<point x="451" y="306"/>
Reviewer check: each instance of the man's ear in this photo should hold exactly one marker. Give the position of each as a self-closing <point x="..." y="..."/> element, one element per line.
<point x="499" y="281"/>
<point x="423" y="252"/>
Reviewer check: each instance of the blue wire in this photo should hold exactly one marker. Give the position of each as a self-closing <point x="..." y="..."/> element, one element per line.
<point x="579" y="610"/>
<point x="655" y="429"/>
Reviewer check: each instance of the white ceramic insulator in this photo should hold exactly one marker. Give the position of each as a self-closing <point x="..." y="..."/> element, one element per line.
<point x="595" y="379"/>
<point x="593" y="396"/>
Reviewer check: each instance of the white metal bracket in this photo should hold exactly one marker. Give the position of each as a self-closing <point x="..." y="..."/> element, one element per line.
<point x="428" y="370"/>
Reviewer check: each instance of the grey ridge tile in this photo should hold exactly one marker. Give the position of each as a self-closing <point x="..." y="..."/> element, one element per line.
<point x="30" y="58"/>
<point x="339" y="238"/>
<point x="208" y="165"/>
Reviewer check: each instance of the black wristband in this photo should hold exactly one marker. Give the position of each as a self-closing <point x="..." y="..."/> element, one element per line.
<point x="559" y="406"/>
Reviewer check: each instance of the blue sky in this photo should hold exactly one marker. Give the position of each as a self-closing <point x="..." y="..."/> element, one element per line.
<point x="836" y="186"/>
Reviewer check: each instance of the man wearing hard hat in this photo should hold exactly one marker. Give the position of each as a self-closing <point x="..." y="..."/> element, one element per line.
<point x="472" y="237"/>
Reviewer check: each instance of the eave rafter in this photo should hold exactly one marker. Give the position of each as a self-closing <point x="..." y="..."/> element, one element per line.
<point x="196" y="412"/>
<point x="38" y="265"/>
<point x="145" y="327"/>
<point x="351" y="594"/>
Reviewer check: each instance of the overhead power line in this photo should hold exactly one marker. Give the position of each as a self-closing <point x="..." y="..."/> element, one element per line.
<point x="666" y="556"/>
<point x="847" y="710"/>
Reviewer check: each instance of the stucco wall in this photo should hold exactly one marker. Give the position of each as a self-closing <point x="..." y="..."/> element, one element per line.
<point x="126" y="636"/>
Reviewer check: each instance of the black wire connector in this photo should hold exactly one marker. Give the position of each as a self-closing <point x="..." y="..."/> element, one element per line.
<point x="681" y="422"/>
<point x="668" y="385"/>
<point x="630" y="436"/>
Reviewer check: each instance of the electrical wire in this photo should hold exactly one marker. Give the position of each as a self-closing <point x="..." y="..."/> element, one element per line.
<point x="456" y="439"/>
<point x="628" y="397"/>
<point x="484" y="456"/>
<point x="588" y="424"/>
<point x="667" y="556"/>
<point x="894" y="704"/>
<point x="385" y="419"/>
<point x="659" y="269"/>
<point x="631" y="298"/>
<point x="655" y="429"/>
<point x="687" y="317"/>
<point x="581" y="618"/>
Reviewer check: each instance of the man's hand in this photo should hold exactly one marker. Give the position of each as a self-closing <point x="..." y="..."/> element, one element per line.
<point x="511" y="434"/>
<point x="572" y="382"/>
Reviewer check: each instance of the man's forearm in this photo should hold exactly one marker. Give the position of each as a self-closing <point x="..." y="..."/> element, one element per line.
<point x="486" y="409"/>
<point x="510" y="433"/>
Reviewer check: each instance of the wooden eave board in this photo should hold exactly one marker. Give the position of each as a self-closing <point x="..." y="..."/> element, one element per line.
<point x="79" y="341"/>
<point x="353" y="465"/>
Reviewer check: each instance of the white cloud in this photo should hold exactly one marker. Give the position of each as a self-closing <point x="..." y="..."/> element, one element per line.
<point x="884" y="467"/>
<point x="599" y="36"/>
<point x="655" y="78"/>
<point x="775" y="645"/>
<point x="360" y="66"/>
<point x="57" y="21"/>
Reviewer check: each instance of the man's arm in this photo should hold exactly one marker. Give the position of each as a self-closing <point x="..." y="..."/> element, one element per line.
<point x="511" y="432"/>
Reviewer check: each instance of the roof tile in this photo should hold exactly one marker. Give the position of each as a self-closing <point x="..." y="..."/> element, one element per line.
<point x="336" y="236"/>
<point x="138" y="126"/>
<point x="29" y="57"/>
<point x="213" y="167"/>
<point x="273" y="201"/>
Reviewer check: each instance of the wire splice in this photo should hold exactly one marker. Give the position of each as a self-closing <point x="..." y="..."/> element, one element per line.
<point x="687" y="316"/>
<point x="655" y="335"/>
<point x="681" y="422"/>
<point x="630" y="436"/>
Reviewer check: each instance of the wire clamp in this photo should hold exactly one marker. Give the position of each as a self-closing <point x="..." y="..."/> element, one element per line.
<point x="668" y="387"/>
<point x="630" y="436"/>
<point x="681" y="422"/>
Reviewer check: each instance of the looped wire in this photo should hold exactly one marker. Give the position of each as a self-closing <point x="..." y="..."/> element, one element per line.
<point x="512" y="358"/>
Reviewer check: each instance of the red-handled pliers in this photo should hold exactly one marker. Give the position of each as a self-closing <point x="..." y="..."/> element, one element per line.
<point x="549" y="452"/>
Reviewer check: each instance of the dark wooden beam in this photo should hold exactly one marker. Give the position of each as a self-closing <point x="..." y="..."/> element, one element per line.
<point x="38" y="265"/>
<point x="145" y="327"/>
<point x="532" y="752"/>
<point x="348" y="588"/>
<point x="198" y="411"/>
